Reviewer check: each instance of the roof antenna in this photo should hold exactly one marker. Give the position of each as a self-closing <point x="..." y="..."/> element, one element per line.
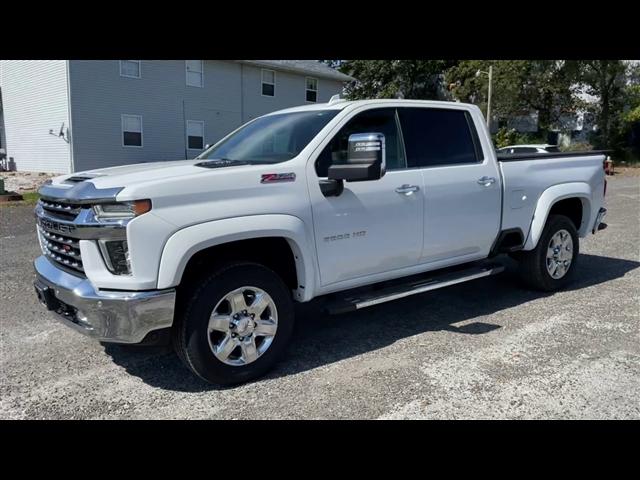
<point x="335" y="98"/>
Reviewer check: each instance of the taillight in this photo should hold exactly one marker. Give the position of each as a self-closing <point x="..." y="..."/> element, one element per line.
<point x="604" y="194"/>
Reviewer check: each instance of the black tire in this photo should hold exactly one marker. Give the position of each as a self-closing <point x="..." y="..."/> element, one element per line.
<point x="533" y="268"/>
<point x="190" y="334"/>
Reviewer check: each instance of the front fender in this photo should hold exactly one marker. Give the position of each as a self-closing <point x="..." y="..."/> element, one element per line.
<point x="183" y="244"/>
<point x="553" y="195"/>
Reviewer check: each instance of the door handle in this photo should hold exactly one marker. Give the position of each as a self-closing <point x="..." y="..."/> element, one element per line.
<point x="486" y="181"/>
<point x="407" y="189"/>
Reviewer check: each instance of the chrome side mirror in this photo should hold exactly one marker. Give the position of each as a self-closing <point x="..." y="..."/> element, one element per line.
<point x="366" y="159"/>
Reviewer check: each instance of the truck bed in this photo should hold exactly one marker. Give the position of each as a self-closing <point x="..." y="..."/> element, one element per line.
<point x="526" y="176"/>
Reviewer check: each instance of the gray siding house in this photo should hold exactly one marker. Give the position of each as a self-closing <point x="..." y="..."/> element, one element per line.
<point x="71" y="115"/>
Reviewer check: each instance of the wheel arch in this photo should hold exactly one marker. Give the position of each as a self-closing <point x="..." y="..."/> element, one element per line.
<point x="562" y="199"/>
<point x="266" y="232"/>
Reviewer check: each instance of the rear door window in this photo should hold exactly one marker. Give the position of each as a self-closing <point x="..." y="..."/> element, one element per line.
<point x="434" y="137"/>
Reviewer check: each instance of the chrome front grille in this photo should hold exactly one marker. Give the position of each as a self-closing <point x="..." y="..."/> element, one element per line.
<point x="61" y="211"/>
<point x="63" y="250"/>
<point x="55" y="240"/>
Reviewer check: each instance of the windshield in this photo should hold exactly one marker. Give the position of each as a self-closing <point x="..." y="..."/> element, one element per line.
<point x="271" y="139"/>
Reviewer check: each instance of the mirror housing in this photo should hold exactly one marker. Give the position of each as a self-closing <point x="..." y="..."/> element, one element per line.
<point x="366" y="159"/>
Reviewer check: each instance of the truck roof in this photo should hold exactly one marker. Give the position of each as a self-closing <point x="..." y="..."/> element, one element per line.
<point x="340" y="104"/>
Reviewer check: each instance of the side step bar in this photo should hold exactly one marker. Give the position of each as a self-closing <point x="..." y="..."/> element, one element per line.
<point x="370" y="298"/>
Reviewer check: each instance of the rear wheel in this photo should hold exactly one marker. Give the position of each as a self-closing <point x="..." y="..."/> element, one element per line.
<point x="551" y="265"/>
<point x="236" y="324"/>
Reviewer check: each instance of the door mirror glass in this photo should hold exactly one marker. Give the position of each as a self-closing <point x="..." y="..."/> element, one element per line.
<point x="366" y="159"/>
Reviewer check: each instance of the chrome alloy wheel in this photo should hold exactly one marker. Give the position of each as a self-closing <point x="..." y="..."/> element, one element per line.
<point x="242" y="326"/>
<point x="559" y="254"/>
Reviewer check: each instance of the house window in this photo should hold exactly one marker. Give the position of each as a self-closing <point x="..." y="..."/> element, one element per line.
<point x="312" y="89"/>
<point x="130" y="68"/>
<point x="268" y="83"/>
<point x="131" y="131"/>
<point x="194" y="73"/>
<point x="195" y="135"/>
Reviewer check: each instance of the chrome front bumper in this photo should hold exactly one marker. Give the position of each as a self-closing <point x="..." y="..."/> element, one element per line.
<point x="109" y="316"/>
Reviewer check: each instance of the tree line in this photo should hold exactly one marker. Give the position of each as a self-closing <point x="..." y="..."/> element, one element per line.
<point x="609" y="90"/>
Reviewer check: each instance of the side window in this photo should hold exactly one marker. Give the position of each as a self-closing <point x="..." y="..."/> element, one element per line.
<point x="522" y="150"/>
<point x="268" y="83"/>
<point x="381" y="120"/>
<point x="194" y="69"/>
<point x="311" y="89"/>
<point x="438" y="137"/>
<point x="130" y="68"/>
<point x="195" y="134"/>
<point x="131" y="130"/>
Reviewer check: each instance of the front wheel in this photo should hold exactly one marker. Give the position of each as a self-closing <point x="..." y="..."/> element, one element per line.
<point x="551" y="265"/>
<point x="236" y="324"/>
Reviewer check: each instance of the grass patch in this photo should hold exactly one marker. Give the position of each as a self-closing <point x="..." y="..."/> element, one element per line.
<point x="29" y="198"/>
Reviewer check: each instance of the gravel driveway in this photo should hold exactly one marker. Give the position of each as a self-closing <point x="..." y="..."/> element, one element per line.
<point x="486" y="349"/>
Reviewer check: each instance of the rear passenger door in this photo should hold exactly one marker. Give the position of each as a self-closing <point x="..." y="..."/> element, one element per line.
<point x="462" y="200"/>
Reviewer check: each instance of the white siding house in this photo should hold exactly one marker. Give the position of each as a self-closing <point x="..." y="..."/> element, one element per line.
<point x="34" y="101"/>
<point x="65" y="116"/>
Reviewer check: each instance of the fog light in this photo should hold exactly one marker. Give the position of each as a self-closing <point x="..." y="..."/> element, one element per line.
<point x="116" y="256"/>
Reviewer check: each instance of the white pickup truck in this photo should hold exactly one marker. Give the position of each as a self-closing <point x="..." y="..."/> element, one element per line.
<point x="361" y="202"/>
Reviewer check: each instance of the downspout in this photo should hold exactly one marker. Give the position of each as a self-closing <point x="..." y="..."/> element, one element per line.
<point x="70" y="135"/>
<point x="184" y="131"/>
<point x="241" y="94"/>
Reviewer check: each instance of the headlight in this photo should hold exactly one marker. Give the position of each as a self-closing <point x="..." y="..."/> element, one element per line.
<point x="116" y="256"/>
<point x="116" y="252"/>
<point x="121" y="211"/>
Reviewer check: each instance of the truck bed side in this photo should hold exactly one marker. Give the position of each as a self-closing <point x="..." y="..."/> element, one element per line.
<point x="533" y="184"/>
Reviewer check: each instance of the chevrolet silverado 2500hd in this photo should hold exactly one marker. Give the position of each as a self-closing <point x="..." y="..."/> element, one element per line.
<point x="361" y="202"/>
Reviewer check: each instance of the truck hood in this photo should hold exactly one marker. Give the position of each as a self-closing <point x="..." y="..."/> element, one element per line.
<point x="128" y="175"/>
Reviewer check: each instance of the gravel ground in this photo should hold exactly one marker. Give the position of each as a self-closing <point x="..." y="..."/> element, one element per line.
<point x="486" y="349"/>
<point x="21" y="182"/>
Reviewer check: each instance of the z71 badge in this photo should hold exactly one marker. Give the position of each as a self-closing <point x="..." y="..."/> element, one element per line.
<point x="278" y="177"/>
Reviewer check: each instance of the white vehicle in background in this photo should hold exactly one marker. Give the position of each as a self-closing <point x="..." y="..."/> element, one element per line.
<point x="520" y="149"/>
<point x="359" y="202"/>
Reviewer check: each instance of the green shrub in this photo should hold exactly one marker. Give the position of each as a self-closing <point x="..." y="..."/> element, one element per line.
<point x="577" y="147"/>
<point x="505" y="136"/>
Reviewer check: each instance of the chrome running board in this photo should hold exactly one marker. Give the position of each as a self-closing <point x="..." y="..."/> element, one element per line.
<point x="414" y="287"/>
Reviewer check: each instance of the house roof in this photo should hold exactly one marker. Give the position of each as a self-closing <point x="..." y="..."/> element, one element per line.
<point x="307" y="67"/>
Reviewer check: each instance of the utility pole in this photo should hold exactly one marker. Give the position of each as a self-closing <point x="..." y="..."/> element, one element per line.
<point x="490" y="75"/>
<point x="489" y="98"/>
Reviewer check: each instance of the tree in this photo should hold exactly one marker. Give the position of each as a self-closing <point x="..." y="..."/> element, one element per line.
<point x="467" y="86"/>
<point x="519" y="87"/>
<point x="548" y="88"/>
<point x="632" y="97"/>
<point x="604" y="81"/>
<point x="630" y="122"/>
<point x="417" y="79"/>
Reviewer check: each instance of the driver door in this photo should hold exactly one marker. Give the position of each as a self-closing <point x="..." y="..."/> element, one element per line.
<point x="373" y="226"/>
